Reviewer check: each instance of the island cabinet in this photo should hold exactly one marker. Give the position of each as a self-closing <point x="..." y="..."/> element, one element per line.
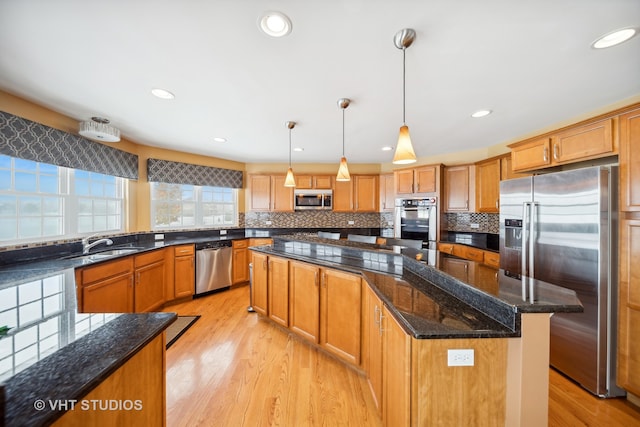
<point x="418" y="181"/>
<point x="583" y="141"/>
<point x="259" y="284"/>
<point x="372" y="344"/>
<point x="240" y="261"/>
<point x="183" y="271"/>
<point x="325" y="308"/>
<point x="397" y="374"/>
<point x="278" y="290"/>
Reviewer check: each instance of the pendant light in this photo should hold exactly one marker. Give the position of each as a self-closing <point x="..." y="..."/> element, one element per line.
<point x="404" y="149"/>
<point x="343" y="170"/>
<point x="290" y="181"/>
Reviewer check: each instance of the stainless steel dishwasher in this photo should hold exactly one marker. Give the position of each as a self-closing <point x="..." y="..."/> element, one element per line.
<point x="213" y="267"/>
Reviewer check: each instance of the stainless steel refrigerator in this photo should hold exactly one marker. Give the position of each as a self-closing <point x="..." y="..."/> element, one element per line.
<point x="562" y="228"/>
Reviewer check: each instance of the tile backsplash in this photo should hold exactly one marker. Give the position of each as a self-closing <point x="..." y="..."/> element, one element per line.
<point x="485" y="222"/>
<point x="316" y="219"/>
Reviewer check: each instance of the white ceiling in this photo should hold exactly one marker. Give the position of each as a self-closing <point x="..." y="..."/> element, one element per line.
<point x="528" y="61"/>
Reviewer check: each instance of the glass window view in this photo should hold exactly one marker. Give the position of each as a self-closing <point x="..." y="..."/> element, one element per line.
<point x="39" y="201"/>
<point x="192" y="206"/>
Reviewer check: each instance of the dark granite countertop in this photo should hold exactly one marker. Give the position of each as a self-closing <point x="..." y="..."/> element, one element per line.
<point x="483" y="305"/>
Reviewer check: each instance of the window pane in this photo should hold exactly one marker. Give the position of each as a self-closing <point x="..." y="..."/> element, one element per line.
<point x="26" y="182"/>
<point x="49" y="184"/>
<point x="8" y="205"/>
<point x="29" y="206"/>
<point x="29" y="227"/>
<point x="5" y="179"/>
<point x="25" y="165"/>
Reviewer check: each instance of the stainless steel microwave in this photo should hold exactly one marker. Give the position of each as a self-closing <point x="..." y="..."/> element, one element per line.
<point x="312" y="200"/>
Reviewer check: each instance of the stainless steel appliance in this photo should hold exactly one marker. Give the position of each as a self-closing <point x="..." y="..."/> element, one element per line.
<point x="213" y="266"/>
<point x="416" y="219"/>
<point x="562" y="228"/>
<point x="312" y="199"/>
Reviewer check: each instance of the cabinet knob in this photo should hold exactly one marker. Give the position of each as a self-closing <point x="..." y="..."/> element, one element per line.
<point x="545" y="154"/>
<point x="555" y="152"/>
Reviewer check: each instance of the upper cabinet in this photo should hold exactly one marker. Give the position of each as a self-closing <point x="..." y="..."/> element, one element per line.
<point x="459" y="188"/>
<point x="361" y="194"/>
<point x="315" y="182"/>
<point x="489" y="173"/>
<point x="422" y="180"/>
<point x="268" y="193"/>
<point x="576" y="143"/>
<point x="630" y="161"/>
<point x="387" y="192"/>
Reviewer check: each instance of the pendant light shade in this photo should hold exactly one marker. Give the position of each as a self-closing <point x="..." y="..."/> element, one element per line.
<point x="290" y="180"/>
<point x="404" y="148"/>
<point x="343" y="169"/>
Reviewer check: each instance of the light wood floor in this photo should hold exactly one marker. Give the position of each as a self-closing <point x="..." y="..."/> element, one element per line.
<point x="233" y="369"/>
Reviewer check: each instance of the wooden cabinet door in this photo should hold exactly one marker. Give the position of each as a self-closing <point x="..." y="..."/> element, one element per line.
<point x="531" y="155"/>
<point x="372" y="352"/>
<point x="184" y="276"/>
<point x="492" y="259"/>
<point x="387" y="193"/>
<point x="304" y="298"/>
<point x="259" y="192"/>
<point x="629" y="310"/>
<point x="259" y="286"/>
<point x="488" y="186"/>
<point x="149" y="287"/>
<point x="396" y="371"/>
<point x="506" y="169"/>
<point x="445" y="247"/>
<point x="113" y="295"/>
<point x="630" y="161"/>
<point x="456" y="267"/>
<point x="343" y="196"/>
<point x="341" y="314"/>
<point x="240" y="261"/>
<point x="366" y="193"/>
<point x="278" y="291"/>
<point x="304" y="182"/>
<point x="323" y="182"/>
<point x="403" y="182"/>
<point x="583" y="142"/>
<point x="425" y="179"/>
<point x="281" y="196"/>
<point x="456" y="189"/>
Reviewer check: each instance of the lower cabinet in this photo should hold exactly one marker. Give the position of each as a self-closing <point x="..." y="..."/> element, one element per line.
<point x="240" y="263"/>
<point x="396" y="373"/>
<point x="259" y="300"/>
<point x="184" y="271"/>
<point x="278" y="290"/>
<point x="372" y="345"/>
<point x="126" y="285"/>
<point x="304" y="300"/>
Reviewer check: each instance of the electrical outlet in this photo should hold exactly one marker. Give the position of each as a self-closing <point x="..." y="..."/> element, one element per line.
<point x="159" y="236"/>
<point x="223" y="232"/>
<point x="351" y="222"/>
<point x="268" y="222"/>
<point x="475" y="225"/>
<point x="460" y="357"/>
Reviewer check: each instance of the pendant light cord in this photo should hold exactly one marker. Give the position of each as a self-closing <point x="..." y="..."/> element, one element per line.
<point x="404" y="84"/>
<point x="289" y="147"/>
<point x="343" y="132"/>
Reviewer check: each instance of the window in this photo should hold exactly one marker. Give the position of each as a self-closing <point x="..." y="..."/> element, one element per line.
<point x="192" y="206"/>
<point x="39" y="201"/>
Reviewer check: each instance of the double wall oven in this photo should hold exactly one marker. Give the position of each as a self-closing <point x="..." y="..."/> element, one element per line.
<point x="416" y="219"/>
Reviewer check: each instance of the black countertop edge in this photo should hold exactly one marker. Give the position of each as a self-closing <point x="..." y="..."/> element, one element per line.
<point x="413" y="328"/>
<point x="76" y="369"/>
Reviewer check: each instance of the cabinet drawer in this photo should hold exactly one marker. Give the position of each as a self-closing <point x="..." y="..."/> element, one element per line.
<point x="492" y="259"/>
<point x="106" y="269"/>
<point x="474" y="254"/>
<point x="445" y="247"/>
<point x="183" y="250"/>
<point x="239" y="244"/>
<point x="149" y="258"/>
<point x="261" y="241"/>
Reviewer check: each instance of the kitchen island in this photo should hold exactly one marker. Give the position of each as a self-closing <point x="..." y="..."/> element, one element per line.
<point x="436" y="350"/>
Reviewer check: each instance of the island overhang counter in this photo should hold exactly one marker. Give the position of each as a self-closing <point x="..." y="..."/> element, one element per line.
<point x="451" y="351"/>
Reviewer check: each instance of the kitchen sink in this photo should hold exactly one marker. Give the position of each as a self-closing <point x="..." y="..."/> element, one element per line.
<point x="105" y="254"/>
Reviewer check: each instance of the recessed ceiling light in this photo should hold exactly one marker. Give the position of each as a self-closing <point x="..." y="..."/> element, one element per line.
<point x="481" y="113"/>
<point x="219" y="139"/>
<point x="613" y="38"/>
<point x="275" y="24"/>
<point x="162" y="93"/>
<point x="387" y="148"/>
<point x="298" y="149"/>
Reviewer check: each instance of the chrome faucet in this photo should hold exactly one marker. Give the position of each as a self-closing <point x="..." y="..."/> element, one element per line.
<point x="86" y="246"/>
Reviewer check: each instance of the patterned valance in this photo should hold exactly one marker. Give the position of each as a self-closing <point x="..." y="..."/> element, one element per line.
<point x="29" y="140"/>
<point x="185" y="173"/>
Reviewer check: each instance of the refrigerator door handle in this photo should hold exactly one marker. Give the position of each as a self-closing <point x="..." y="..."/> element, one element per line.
<point x="532" y="229"/>
<point x="523" y="250"/>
